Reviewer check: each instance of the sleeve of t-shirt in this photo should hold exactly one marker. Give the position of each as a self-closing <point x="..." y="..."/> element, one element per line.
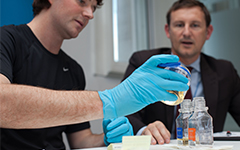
<point x="7" y="46"/>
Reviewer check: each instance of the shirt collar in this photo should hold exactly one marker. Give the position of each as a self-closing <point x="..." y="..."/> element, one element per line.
<point x="196" y="64"/>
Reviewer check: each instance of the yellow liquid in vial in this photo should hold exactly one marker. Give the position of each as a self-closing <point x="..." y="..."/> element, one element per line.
<point x="179" y="94"/>
<point x="183" y="141"/>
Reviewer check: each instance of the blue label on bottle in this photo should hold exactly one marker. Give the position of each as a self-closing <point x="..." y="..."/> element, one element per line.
<point x="175" y="64"/>
<point x="179" y="133"/>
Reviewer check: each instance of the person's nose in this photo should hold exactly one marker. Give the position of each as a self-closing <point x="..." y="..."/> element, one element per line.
<point x="186" y="31"/>
<point x="88" y="12"/>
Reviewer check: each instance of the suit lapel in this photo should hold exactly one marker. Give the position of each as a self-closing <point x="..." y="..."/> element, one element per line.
<point x="210" y="85"/>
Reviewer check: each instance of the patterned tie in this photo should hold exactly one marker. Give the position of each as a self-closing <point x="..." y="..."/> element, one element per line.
<point x="187" y="96"/>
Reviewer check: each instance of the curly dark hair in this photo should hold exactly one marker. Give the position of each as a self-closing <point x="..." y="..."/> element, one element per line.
<point x="38" y="5"/>
<point x="188" y="4"/>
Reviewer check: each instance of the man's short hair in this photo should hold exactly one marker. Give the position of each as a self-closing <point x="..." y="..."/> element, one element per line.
<point x="39" y="5"/>
<point x="189" y="4"/>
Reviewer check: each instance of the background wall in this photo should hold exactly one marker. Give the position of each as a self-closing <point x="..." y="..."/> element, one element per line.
<point x="15" y="11"/>
<point x="158" y="10"/>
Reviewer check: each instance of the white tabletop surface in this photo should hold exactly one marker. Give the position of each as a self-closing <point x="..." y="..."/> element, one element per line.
<point x="217" y="144"/>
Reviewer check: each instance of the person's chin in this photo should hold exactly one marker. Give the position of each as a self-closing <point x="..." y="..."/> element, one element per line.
<point x="186" y="53"/>
<point x="75" y="33"/>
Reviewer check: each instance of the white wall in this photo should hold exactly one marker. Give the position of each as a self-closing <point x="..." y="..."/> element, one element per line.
<point x="158" y="21"/>
<point x="225" y="40"/>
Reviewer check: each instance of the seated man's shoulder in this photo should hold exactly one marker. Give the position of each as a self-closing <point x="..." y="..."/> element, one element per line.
<point x="219" y="61"/>
<point x="218" y="64"/>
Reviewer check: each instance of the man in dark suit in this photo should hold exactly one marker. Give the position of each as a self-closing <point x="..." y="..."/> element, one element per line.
<point x="188" y="27"/>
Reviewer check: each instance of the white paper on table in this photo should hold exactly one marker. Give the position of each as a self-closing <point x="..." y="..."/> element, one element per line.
<point x="224" y="134"/>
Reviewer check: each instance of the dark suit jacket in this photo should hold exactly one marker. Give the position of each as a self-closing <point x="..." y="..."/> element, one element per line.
<point x="221" y="86"/>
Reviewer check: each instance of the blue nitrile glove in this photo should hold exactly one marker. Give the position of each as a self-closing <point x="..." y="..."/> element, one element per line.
<point x="147" y="84"/>
<point x="115" y="129"/>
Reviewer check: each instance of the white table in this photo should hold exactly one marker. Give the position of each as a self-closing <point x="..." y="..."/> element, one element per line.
<point x="236" y="145"/>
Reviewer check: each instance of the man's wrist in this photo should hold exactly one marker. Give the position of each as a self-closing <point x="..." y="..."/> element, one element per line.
<point x="109" y="111"/>
<point x="141" y="130"/>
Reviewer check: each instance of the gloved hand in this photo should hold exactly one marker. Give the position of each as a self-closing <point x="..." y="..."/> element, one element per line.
<point x="114" y="129"/>
<point x="147" y="84"/>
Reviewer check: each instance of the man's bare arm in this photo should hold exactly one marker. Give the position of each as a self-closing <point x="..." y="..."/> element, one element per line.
<point x="33" y="107"/>
<point x="85" y="139"/>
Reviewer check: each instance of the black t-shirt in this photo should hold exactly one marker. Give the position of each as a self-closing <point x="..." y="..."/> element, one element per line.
<point x="24" y="60"/>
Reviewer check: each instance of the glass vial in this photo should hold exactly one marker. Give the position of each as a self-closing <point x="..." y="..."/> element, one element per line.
<point x="182" y="122"/>
<point x="200" y="127"/>
<point x="177" y="67"/>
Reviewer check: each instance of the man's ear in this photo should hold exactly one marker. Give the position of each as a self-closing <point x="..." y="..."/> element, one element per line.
<point x="50" y="1"/>
<point x="167" y="28"/>
<point x="209" y="31"/>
